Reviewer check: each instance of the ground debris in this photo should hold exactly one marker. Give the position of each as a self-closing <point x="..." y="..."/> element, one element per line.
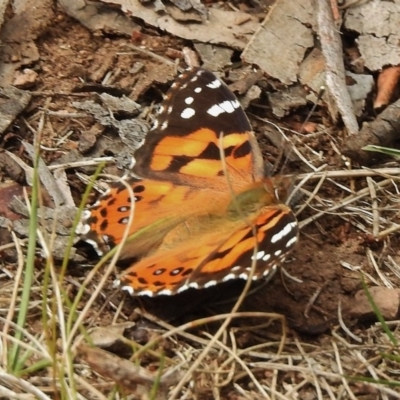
<point x="13" y="102"/>
<point x="96" y="17"/>
<point x="377" y="23"/>
<point x="383" y="131"/>
<point x="284" y="32"/>
<point x="225" y="28"/>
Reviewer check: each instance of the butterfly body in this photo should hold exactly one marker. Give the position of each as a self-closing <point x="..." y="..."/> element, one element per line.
<point x="204" y="212"/>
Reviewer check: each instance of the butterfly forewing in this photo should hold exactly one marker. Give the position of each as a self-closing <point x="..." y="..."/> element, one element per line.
<point x="200" y="117"/>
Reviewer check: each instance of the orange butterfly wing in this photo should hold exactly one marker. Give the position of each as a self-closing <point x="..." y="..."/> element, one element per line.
<point x="190" y="227"/>
<point x="201" y="123"/>
<point x="222" y="254"/>
<point x="177" y="161"/>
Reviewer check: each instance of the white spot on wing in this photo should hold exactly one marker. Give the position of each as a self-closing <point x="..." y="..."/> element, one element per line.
<point x="228" y="277"/>
<point x="165" y="292"/>
<point x="210" y="283"/>
<point x="291" y="242"/>
<point x="95" y="246"/>
<point x="145" y="293"/>
<point x="187" y="113"/>
<point x="193" y="285"/>
<point x="86" y="214"/>
<point x="259" y="255"/>
<point x="278" y="253"/>
<point x="266" y="257"/>
<point x="243" y="275"/>
<point x="198" y="90"/>
<point x="185" y="287"/>
<point x="214" y="84"/>
<point x="128" y="289"/>
<point x="164" y="125"/>
<point x="228" y="106"/>
<point x="83" y="229"/>
<point x="278" y="236"/>
<point x="189" y="100"/>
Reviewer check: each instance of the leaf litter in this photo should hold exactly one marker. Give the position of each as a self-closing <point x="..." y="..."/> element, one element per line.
<point x="325" y="346"/>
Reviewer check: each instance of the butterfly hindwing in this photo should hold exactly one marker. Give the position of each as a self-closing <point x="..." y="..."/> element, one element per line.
<point x="221" y="254"/>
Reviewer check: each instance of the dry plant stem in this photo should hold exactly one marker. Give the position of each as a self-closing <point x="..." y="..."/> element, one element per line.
<point x="371" y="258"/>
<point x="359" y="269"/>
<point x="311" y="368"/>
<point x="118" y="312"/>
<point x="33" y="344"/>
<point x="328" y="389"/>
<point x="169" y="327"/>
<point x="107" y="273"/>
<point x="314" y="298"/>
<point x="11" y="245"/>
<point x="370" y="369"/>
<point x="341" y="372"/>
<point x="152" y="55"/>
<point x="311" y="196"/>
<point x="343" y="325"/>
<point x="229" y="317"/>
<point x="96" y="394"/>
<point x="375" y="210"/>
<point x="23" y="384"/>
<point x="291" y="277"/>
<point x="386" y="232"/>
<point x="180" y="330"/>
<point x="50" y="93"/>
<point x="14" y="297"/>
<point x="346" y="201"/>
<point x="394" y="267"/>
<point x="61" y="114"/>
<point x="221" y="330"/>
<point x="292" y="393"/>
<point x="244" y="366"/>
<point x="358" y="173"/>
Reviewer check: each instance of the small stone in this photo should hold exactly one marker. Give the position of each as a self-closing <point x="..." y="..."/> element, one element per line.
<point x="387" y="301"/>
<point x="25" y="79"/>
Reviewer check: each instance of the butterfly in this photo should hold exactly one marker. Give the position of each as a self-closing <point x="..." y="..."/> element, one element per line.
<point x="204" y="212"/>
